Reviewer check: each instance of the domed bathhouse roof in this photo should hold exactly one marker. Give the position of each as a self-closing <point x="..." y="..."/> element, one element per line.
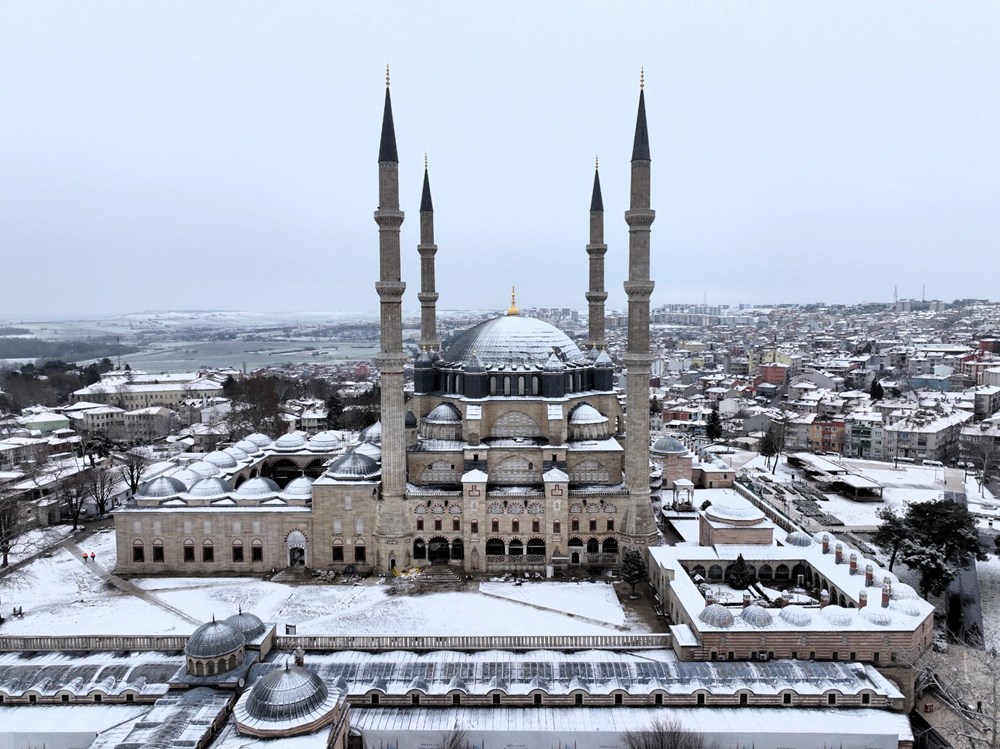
<point x="444" y="413"/>
<point x="187" y="477"/>
<point x="586" y="414"/>
<point x="214" y="640"/>
<point x="220" y="460"/>
<point x="371" y="433"/>
<point x="717" y="615"/>
<point x="668" y="446"/>
<point x="837" y="615"/>
<point x="204" y="469"/>
<point x="353" y="466"/>
<point x="300" y="488"/>
<point x="902" y="592"/>
<point x="877" y="616"/>
<point x="798" y="538"/>
<point x="257" y="488"/>
<point x="290" y="442"/>
<point x="756" y="616"/>
<point x="796" y="616"/>
<point x="210" y="488"/>
<point x="261" y="440"/>
<point x="325" y="442"/>
<point x="512" y="338"/>
<point x="249" y="625"/>
<point x="906" y="608"/>
<point x="238" y="454"/>
<point x="288" y="701"/>
<point x="161" y="487"/>
<point x="248" y="447"/>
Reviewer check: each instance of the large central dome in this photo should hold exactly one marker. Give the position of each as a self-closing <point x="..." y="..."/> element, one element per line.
<point x="512" y="339"/>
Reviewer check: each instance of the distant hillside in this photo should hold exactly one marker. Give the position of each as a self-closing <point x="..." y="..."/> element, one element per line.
<point x="34" y="348"/>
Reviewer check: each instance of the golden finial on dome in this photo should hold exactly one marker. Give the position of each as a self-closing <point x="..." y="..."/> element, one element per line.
<point x="513" y="310"/>
<point x="387" y="75"/>
<point x="642" y="78"/>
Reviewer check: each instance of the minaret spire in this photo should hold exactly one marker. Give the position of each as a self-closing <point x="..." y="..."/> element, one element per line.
<point x="640" y="527"/>
<point x="596" y="249"/>
<point x="428" y="296"/>
<point x="389" y="516"/>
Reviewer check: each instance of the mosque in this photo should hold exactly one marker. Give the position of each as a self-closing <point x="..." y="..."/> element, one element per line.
<point x="513" y="453"/>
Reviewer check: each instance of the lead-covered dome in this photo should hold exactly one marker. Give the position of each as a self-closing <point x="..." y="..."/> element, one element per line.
<point x="717" y="615"/>
<point x="444" y="413"/>
<point x="210" y="488"/>
<point x="257" y="488"/>
<point x="290" y="442"/>
<point x="300" y="488"/>
<point x="796" y="616"/>
<point x="756" y="615"/>
<point x="220" y="459"/>
<point x="287" y="694"/>
<point x="249" y="625"/>
<point x="325" y="442"/>
<point x="799" y="538"/>
<point x="512" y="338"/>
<point x="204" y="469"/>
<point x="161" y="487"/>
<point x="248" y="447"/>
<point x="261" y="440"/>
<point x="669" y="446"/>
<point x="214" y="640"/>
<point x="353" y="467"/>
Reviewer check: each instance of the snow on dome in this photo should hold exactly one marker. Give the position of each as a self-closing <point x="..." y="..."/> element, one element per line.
<point x="161" y="488"/>
<point x="212" y="487"/>
<point x="369" y="449"/>
<point x="443" y="413"/>
<point x="725" y="512"/>
<point x="261" y="440"/>
<point x="512" y="338"/>
<point x="669" y="446"/>
<point x="238" y="454"/>
<point x="717" y="615"/>
<point x="756" y="616"/>
<point x="798" y="538"/>
<point x="586" y="414"/>
<point x="259" y="487"/>
<point x="325" y="442"/>
<point x="288" y="694"/>
<point x="906" y="608"/>
<point x="290" y="442"/>
<point x="902" y="592"/>
<point x="837" y="615"/>
<point x="213" y="640"/>
<point x="796" y="616"/>
<point x="371" y="433"/>
<point x="220" y="459"/>
<point x="150" y="472"/>
<point x="250" y="626"/>
<point x="187" y="477"/>
<point x="353" y="466"/>
<point x="878" y="617"/>
<point x="205" y="470"/>
<point x="248" y="447"/>
<point x="300" y="488"/>
<point x="603" y="360"/>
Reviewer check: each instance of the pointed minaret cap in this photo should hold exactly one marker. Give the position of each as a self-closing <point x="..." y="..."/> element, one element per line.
<point x="596" y="201"/>
<point x="387" y="146"/>
<point x="426" y="205"/>
<point x="640" y="146"/>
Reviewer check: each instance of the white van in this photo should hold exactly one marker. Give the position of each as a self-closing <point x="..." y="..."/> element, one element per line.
<point x="932" y="463"/>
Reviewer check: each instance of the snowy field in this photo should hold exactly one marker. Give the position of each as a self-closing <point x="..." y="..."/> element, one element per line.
<point x="38" y="538"/>
<point x="591" y="600"/>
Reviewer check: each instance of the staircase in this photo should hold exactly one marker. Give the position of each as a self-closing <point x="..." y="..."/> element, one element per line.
<point x="441" y="577"/>
<point x="297" y="574"/>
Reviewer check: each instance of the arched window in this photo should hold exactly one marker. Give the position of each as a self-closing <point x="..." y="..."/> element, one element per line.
<point x="419" y="549"/>
<point x="534" y="385"/>
<point x="781" y="572"/>
<point x="495" y="525"/>
<point x="536" y="525"/>
<point x="359" y="551"/>
<point x="593" y="546"/>
<point x="337" y="550"/>
<point x="495" y="548"/>
<point x="715" y="572"/>
<point x="765" y="572"/>
<point x="420" y="523"/>
<point x="515" y="548"/>
<point x="610" y="546"/>
<point x="520" y="385"/>
<point x="138" y="552"/>
<point x="515" y="525"/>
<point x="158" y="550"/>
<point x="506" y="385"/>
<point x="536" y="547"/>
<point x="493" y="384"/>
<point x="188" y="550"/>
<point x="256" y="550"/>
<point x="237" y="550"/>
<point x="207" y="551"/>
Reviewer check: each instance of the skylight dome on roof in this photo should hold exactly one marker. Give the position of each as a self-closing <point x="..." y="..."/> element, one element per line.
<point x="877" y="616"/>
<point x="799" y="538"/>
<point x="796" y="616"/>
<point x="756" y="616"/>
<point x="906" y="608"/>
<point x="837" y="615"/>
<point x="902" y="592"/>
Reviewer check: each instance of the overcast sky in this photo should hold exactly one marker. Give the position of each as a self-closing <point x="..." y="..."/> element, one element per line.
<point x="179" y="155"/>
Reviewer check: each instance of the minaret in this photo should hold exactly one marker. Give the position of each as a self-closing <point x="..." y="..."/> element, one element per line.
<point x="390" y="518"/>
<point x="596" y="249"/>
<point x="428" y="296"/>
<point x="640" y="526"/>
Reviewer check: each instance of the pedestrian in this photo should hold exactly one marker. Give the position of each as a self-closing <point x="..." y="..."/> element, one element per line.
<point x="84" y="556"/>
<point x="92" y="555"/>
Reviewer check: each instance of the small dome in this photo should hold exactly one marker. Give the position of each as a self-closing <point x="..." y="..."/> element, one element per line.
<point x="726" y="513"/>
<point x="796" y="616"/>
<point x="554" y="363"/>
<point x="286" y="694"/>
<point x="837" y="615"/>
<point x="669" y="446"/>
<point x="878" y="617"/>
<point x="424" y="360"/>
<point x="372" y="433"/>
<point x="210" y="488"/>
<point x="213" y="640"/>
<point x="902" y="592"/>
<point x="756" y="616"/>
<point x="259" y="487"/>
<point x="409" y="421"/>
<point x="444" y="413"/>
<point x="261" y="440"/>
<point x="290" y="442"/>
<point x="586" y="414"/>
<point x="325" y="442"/>
<point x="798" y="538"/>
<point x="187" y="477"/>
<point x="369" y="449"/>
<point x="906" y="608"/>
<point x="353" y="466"/>
<point x="152" y="471"/>
<point x="248" y="447"/>
<point x="250" y="626"/>
<point x="238" y="455"/>
<point x="205" y="470"/>
<point x="717" y="615"/>
<point x="603" y="360"/>
<point x="161" y="488"/>
<point x="300" y="488"/>
<point x="220" y="460"/>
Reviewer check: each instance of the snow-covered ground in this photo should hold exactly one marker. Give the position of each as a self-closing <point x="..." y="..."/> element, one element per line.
<point x="38" y="539"/>
<point x="591" y="600"/>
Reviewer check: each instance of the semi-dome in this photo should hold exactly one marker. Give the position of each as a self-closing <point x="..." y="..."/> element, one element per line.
<point x="796" y="616"/>
<point x="717" y="615"/>
<point x="205" y="469"/>
<point x="444" y="413"/>
<point x="837" y="615"/>
<point x="261" y="440"/>
<point x="287" y="694"/>
<point x="214" y="640"/>
<point x="512" y="338"/>
<point x="756" y="616"/>
<point x="249" y="625"/>
<point x="324" y="442"/>
<point x="290" y="442"/>
<point x="669" y="446"/>
<point x="248" y="447"/>
<point x="300" y="488"/>
<point x="220" y="459"/>
<point x="161" y="488"/>
<point x="259" y="487"/>
<point x="210" y="488"/>
<point x="586" y="414"/>
<point x="353" y="466"/>
<point x="371" y="433"/>
<point x="798" y="538"/>
<point x="877" y="616"/>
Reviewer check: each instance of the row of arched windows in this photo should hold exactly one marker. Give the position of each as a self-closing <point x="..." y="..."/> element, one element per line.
<point x="189" y="551"/>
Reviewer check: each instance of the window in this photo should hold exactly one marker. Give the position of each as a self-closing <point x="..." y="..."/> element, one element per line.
<point x="65" y="698"/>
<point x="578" y="699"/>
<point x="701" y="700"/>
<point x="359" y="553"/>
<point x="98" y="698"/>
<point x="495" y="525"/>
<point x="515" y="525"/>
<point x="496" y="699"/>
<point x="456" y="524"/>
<point x="338" y="553"/>
<point x="795" y="655"/>
<point x="744" y="698"/>
<point x="208" y="552"/>
<point x="854" y="656"/>
<point x="866" y="698"/>
<point x="188" y="552"/>
<point x="831" y="699"/>
<point x="574" y="524"/>
<point x="415" y="699"/>
<point x="835" y="656"/>
<point x="593" y="524"/>
<point x="474" y="526"/>
<point x="347" y="502"/>
<point x="456" y="699"/>
<point x="130" y="697"/>
<point x="138" y="552"/>
<point x="32" y="699"/>
<point x="876" y="656"/>
<point x="556" y="527"/>
<point x="375" y="699"/>
<point x="420" y="524"/>
<point x="158" y="552"/>
<point x="237" y="551"/>
<point x="786" y="698"/>
<point x="536" y="525"/>
<point x="618" y="699"/>
<point x="538" y="699"/>
<point x="437" y="524"/>
<point x="611" y="524"/>
<point x="257" y="552"/>
<point x="657" y="699"/>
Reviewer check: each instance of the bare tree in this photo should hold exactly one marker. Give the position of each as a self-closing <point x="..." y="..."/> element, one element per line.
<point x="101" y="485"/>
<point x="456" y="738"/>
<point x="984" y="455"/>
<point x="132" y="463"/>
<point x="13" y="523"/>
<point x="666" y="734"/>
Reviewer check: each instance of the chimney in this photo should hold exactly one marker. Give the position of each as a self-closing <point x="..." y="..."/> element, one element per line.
<point x="824" y="598"/>
<point x="862" y="598"/>
<point x="886" y="593"/>
<point x="786" y="598"/>
<point x="869" y="576"/>
<point x="840" y="553"/>
<point x="746" y="600"/>
<point x="826" y="543"/>
<point x="854" y="563"/>
<point x="300" y="656"/>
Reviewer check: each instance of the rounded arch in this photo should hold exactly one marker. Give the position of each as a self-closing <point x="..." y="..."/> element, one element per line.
<point x="419" y="548"/>
<point x="609" y="546"/>
<point x="515" y="548"/>
<point x="495" y="547"/>
<point x="535" y="547"/>
<point x="593" y="546"/>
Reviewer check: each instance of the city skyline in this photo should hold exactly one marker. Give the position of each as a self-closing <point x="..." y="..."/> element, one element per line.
<point x="801" y="153"/>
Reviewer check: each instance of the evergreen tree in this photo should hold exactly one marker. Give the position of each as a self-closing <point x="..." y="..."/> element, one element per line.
<point x="766" y="446"/>
<point x="633" y="569"/>
<point x="741" y="576"/>
<point x="713" y="427"/>
<point x="890" y="534"/>
<point x="876" y="392"/>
